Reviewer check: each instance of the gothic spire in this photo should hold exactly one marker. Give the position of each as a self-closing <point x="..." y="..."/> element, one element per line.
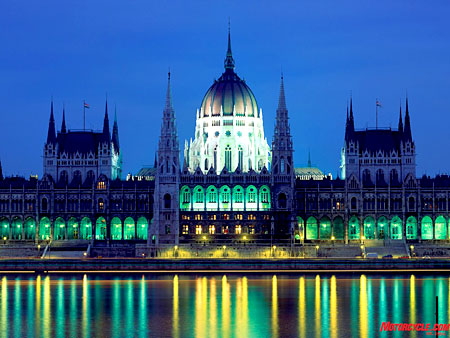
<point x="106" y="134"/>
<point x="350" y="125"/>
<point x="309" y="159"/>
<point x="51" y="136"/>
<point x="115" y="133"/>
<point x="63" y="124"/>
<point x="407" y="131"/>
<point x="400" y="121"/>
<point x="282" y="135"/>
<point x="282" y="97"/>
<point x="168" y="94"/>
<point x="229" y="61"/>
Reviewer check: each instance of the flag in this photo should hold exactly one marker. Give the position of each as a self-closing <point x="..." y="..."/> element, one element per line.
<point x="378" y="103"/>
<point x="86" y="105"/>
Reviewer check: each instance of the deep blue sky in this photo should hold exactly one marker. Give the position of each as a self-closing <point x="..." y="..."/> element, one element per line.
<point x="77" y="50"/>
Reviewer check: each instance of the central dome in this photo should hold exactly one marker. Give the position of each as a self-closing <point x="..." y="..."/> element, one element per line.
<point x="229" y="96"/>
<point x="229" y="131"/>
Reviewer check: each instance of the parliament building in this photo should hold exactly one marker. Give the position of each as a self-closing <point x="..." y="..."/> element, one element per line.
<point x="230" y="186"/>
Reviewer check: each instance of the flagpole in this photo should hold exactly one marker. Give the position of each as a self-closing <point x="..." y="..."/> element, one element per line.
<point x="376" y="113"/>
<point x="84" y="115"/>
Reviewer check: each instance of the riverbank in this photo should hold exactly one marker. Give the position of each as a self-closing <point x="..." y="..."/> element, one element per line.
<point x="106" y="265"/>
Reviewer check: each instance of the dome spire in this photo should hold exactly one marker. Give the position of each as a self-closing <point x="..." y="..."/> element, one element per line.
<point x="229" y="61"/>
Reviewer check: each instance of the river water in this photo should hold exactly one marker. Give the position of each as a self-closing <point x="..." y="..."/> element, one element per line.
<point x="218" y="305"/>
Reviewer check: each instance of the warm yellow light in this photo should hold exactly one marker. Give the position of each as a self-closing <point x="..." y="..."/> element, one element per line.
<point x="176" y="247"/>
<point x="362" y="247"/>
<point x="245" y="237"/>
<point x="85" y="253"/>
<point x="317" y="247"/>
<point x="204" y="237"/>
<point x="412" y="247"/>
<point x="363" y="237"/>
<point x="274" y="247"/>
<point x="332" y="238"/>
<point x="224" y="247"/>
<point x="4" y="238"/>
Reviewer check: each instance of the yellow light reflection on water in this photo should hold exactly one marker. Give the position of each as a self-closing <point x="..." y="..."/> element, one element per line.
<point x="412" y="302"/>
<point x="37" y="319"/>
<point x="363" y="306"/>
<point x="47" y="308"/>
<point x="4" y="314"/>
<point x="301" y="306"/>
<point x="212" y="308"/>
<point x="317" y="306"/>
<point x="274" y="306"/>
<point x="333" y="307"/>
<point x="175" y="319"/>
<point x="17" y="308"/>
<point x="84" y="319"/>
<point x="225" y="307"/>
<point x="245" y="307"/>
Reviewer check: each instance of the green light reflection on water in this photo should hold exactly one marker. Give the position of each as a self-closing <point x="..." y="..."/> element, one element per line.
<point x="217" y="306"/>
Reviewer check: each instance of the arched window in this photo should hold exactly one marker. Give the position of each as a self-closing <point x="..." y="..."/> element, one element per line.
<point x="77" y="175"/>
<point x="394" y="176"/>
<point x="353" y="203"/>
<point x="282" y="201"/>
<point x="411" y="204"/>
<point x="101" y="204"/>
<point x="215" y="158"/>
<point x="64" y="176"/>
<point x="240" y="157"/>
<point x="366" y="176"/>
<point x="44" y="204"/>
<point x="90" y="175"/>
<point x="282" y="165"/>
<point x="167" y="201"/>
<point x="260" y="164"/>
<point x="206" y="164"/>
<point x="228" y="157"/>
<point x="380" y="176"/>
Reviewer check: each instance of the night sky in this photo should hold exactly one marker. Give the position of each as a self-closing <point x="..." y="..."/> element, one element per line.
<point x="76" y="50"/>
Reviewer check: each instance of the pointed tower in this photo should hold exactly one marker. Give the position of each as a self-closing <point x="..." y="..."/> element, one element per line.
<point x="63" y="124"/>
<point x="165" y="227"/>
<point x="115" y="133"/>
<point x="408" y="148"/>
<point x="50" y="147"/>
<point x="106" y="133"/>
<point x="400" y="122"/>
<point x="229" y="61"/>
<point x="116" y="153"/>
<point x="51" y="135"/>
<point x="283" y="175"/>
<point x="349" y="151"/>
<point x="407" y="132"/>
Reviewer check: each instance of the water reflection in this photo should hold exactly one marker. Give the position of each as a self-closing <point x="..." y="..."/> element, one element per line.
<point x="217" y="306"/>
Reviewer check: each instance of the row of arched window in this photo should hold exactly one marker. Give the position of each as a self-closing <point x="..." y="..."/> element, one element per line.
<point x="61" y="229"/>
<point x="225" y="197"/>
<point x="382" y="228"/>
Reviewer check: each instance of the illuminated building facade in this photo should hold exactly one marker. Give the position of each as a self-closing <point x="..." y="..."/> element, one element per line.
<point x="231" y="187"/>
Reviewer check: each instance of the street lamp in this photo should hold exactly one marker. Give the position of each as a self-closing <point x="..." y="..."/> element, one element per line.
<point x="317" y="251"/>
<point x="332" y="240"/>
<point x="274" y="247"/>
<point x="411" y="247"/>
<point x="224" y="248"/>
<point x="204" y="240"/>
<point x="362" y="250"/>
